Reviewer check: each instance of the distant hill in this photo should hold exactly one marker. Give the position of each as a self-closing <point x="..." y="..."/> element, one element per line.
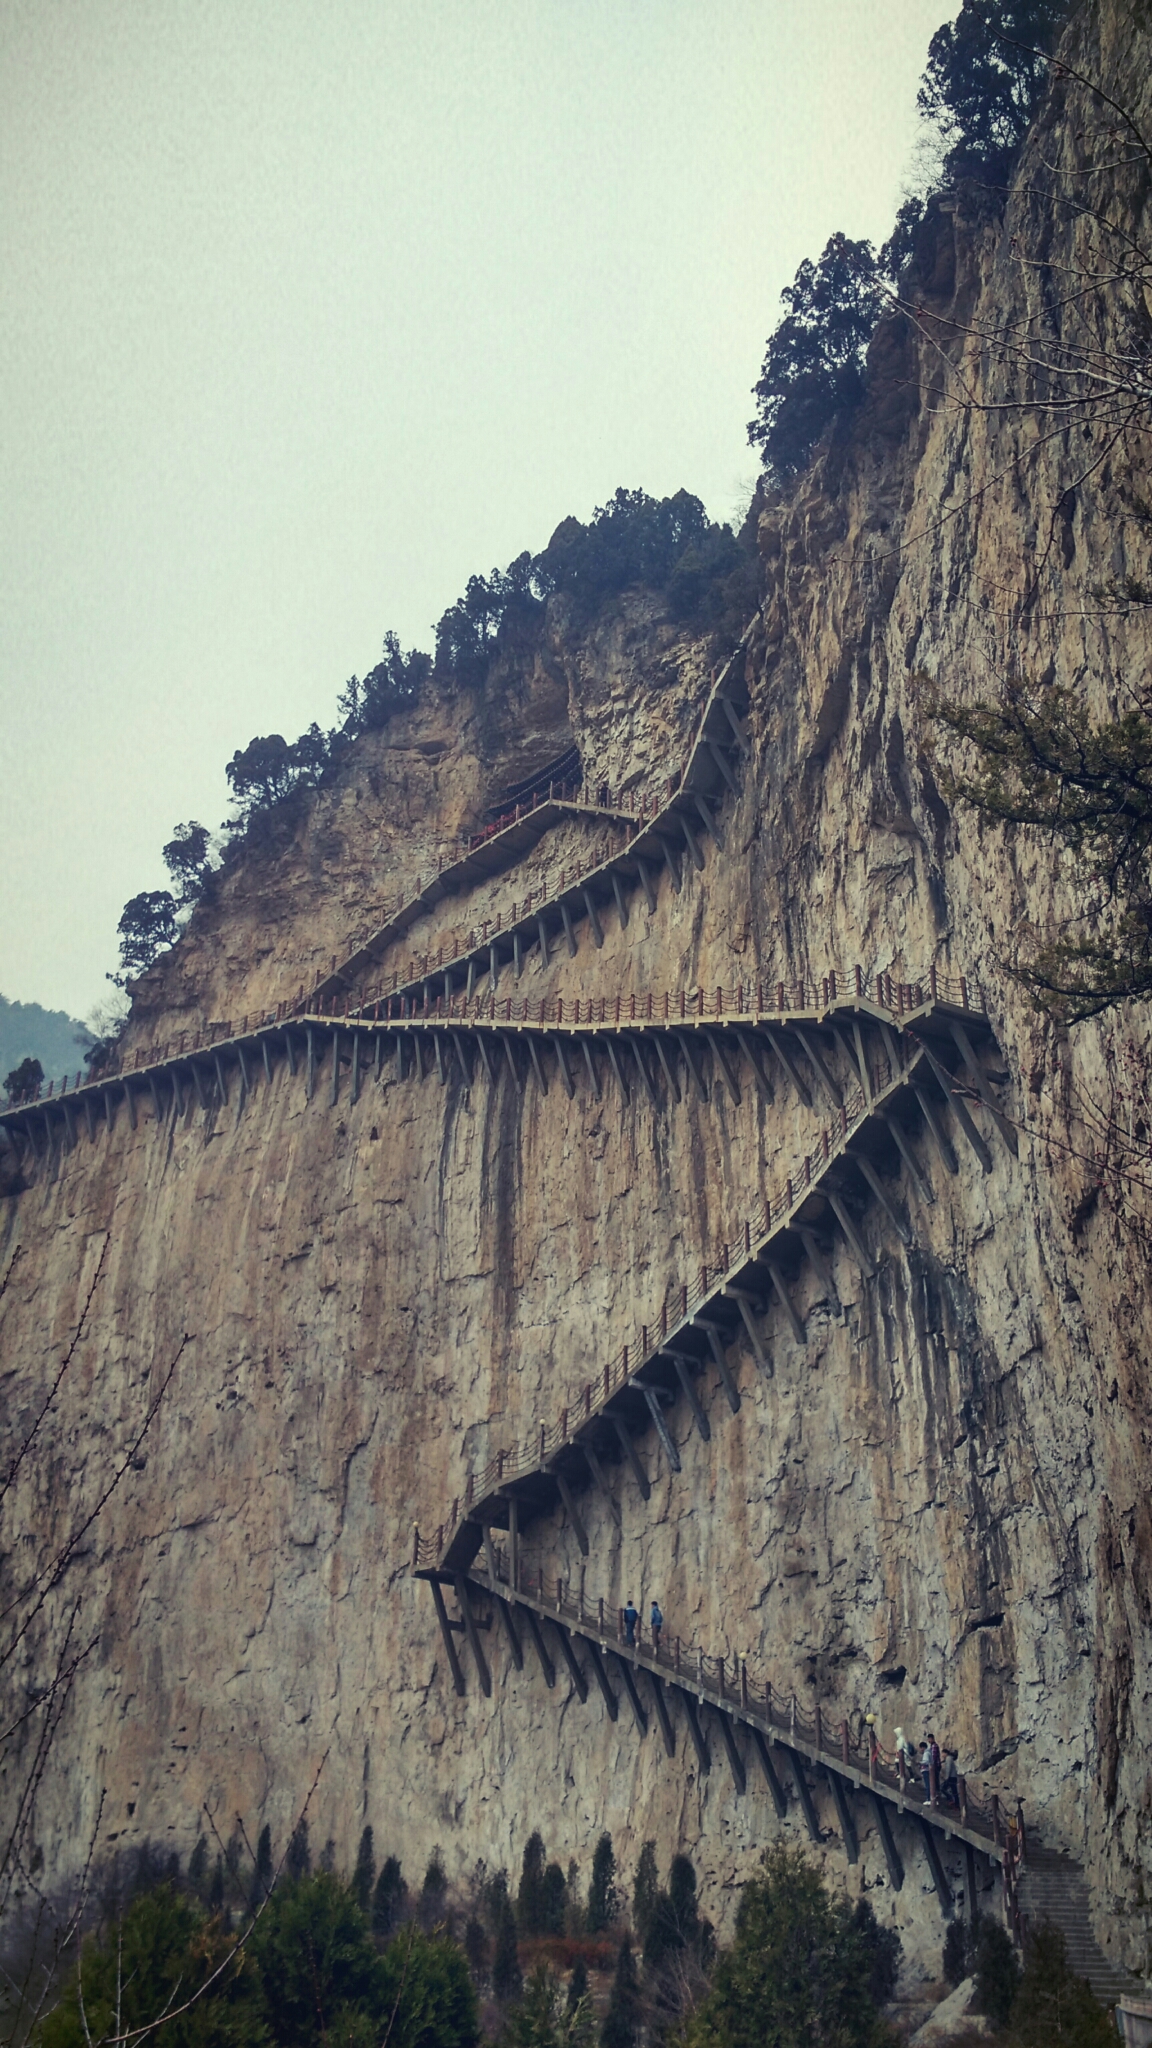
<point x="50" y="1036"/>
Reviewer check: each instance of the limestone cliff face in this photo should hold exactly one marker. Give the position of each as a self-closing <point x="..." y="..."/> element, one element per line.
<point x="938" y="1508"/>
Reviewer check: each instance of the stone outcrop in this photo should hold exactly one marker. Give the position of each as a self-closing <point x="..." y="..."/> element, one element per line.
<point x="937" y="1511"/>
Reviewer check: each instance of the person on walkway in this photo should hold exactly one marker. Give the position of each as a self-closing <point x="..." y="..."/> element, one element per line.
<point x="631" y="1617"/>
<point x="905" y="1754"/>
<point x="932" y="1769"/>
<point x="949" y="1782"/>
<point x="924" y="1766"/>
<point x="656" y="1620"/>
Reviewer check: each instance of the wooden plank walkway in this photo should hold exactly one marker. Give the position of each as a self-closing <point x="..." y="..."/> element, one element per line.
<point x="786" y="1741"/>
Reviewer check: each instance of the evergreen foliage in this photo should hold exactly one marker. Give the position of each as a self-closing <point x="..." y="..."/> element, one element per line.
<point x="433" y="1889"/>
<point x="507" y="1978"/>
<point x="364" y="1873"/>
<point x="298" y="1861"/>
<point x="477" y="1950"/>
<point x="147" y="927"/>
<point x="51" y="1037"/>
<point x="603" y="1897"/>
<point x="262" y="1874"/>
<point x="530" y="1896"/>
<point x="318" y="1970"/>
<point x="996" y="1970"/>
<point x="882" y="1946"/>
<point x="23" y="1084"/>
<point x="797" y="1972"/>
<point x="1042" y="761"/>
<point x="1053" y="2008"/>
<point x="982" y="84"/>
<point x="541" y="2018"/>
<point x="621" y="2024"/>
<point x="645" y="1892"/>
<point x="814" y="365"/>
<point x="553" y="1896"/>
<point x="198" y="1867"/>
<point x="154" y="1958"/>
<point x="188" y="860"/>
<point x="387" y="1899"/>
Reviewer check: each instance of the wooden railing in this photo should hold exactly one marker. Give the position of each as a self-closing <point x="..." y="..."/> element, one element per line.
<point x="737" y="1683"/>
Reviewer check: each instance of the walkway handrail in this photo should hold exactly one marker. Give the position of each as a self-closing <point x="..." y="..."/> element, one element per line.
<point x="738" y="1683"/>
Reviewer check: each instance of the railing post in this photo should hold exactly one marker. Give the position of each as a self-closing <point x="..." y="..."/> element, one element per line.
<point x="933" y="1784"/>
<point x="819" y="1730"/>
<point x="844" y="1741"/>
<point x="415" y="1546"/>
<point x="744" y="1684"/>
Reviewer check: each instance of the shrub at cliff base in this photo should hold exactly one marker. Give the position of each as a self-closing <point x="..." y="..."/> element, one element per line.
<point x="1053" y="2008"/>
<point x="308" y="1975"/>
<point x="797" y="1974"/>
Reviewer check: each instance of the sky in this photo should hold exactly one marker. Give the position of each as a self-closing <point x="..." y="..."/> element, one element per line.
<point x="311" y="309"/>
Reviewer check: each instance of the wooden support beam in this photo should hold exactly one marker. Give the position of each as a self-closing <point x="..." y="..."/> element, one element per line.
<point x="760" y="1745"/>
<point x="245" y="1076"/>
<point x="695" y="1730"/>
<point x="514" y="1541"/>
<point x="198" y="1084"/>
<point x="720" y="1361"/>
<point x="569" y="933"/>
<point x="679" y="1360"/>
<point x="665" y="1062"/>
<point x="725" y="1066"/>
<point x="844" y="1815"/>
<point x="736" y="723"/>
<point x="708" y="819"/>
<point x="355" y="1066"/>
<point x="747" y="1047"/>
<point x="735" y="1760"/>
<point x="290" y="1049"/>
<point x="862" y="1061"/>
<point x="628" y="1680"/>
<point x="514" y="1648"/>
<point x="561" y="1052"/>
<point x="601" y="1677"/>
<point x="888" y="1841"/>
<point x="70" y="1128"/>
<point x="645" y="1076"/>
<point x="781" y="1286"/>
<point x="548" y="1669"/>
<point x="980" y="1084"/>
<point x="446" y="1632"/>
<point x="744" y="1305"/>
<point x="438" y="1047"/>
<point x="684" y="1041"/>
<point x="542" y="935"/>
<point x="335" y="1069"/>
<point x="569" y="1655"/>
<point x="221" y="1082"/>
<point x="109" y="1116"/>
<point x="779" y="1044"/>
<point x="970" y="1875"/>
<point x="936" y="1130"/>
<point x="646" y="884"/>
<point x="600" y="1477"/>
<point x="820" y="1068"/>
<point x="470" y="978"/>
<point x="482" y="1043"/>
<point x="695" y="849"/>
<point x="900" y="1139"/>
<point x="510" y="1056"/>
<point x="90" y="1119"/>
<point x="820" y="1266"/>
<point x="881" y="1193"/>
<point x="661" y="1427"/>
<point x="621" y="899"/>
<point x="489" y="1553"/>
<point x="959" y="1107"/>
<point x="589" y="1062"/>
<point x="266" y="1054"/>
<point x="156" y="1111"/>
<point x="939" y="1877"/>
<point x="803" y="1792"/>
<point x="725" y="766"/>
<point x="472" y="1632"/>
<point x="593" y="917"/>
<point x="457" y="1042"/>
<point x="517" y="953"/>
<point x="853" y="1050"/>
<point x="671" y="861"/>
<point x="493" y="968"/>
<point x="617" y="1069"/>
<point x="667" y="1734"/>
<point x="855" y="1241"/>
<point x="571" y="1510"/>
<point x="447" y="991"/>
<point x="537" y="1063"/>
<point x="631" y="1454"/>
<point x="310" y="1072"/>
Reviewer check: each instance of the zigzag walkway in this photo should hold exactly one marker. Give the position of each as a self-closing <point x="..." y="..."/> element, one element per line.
<point x="663" y="826"/>
<point x="775" y="1727"/>
<point x="910" y="1089"/>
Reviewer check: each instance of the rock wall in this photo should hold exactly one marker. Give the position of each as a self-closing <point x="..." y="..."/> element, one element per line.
<point x="936" y="1511"/>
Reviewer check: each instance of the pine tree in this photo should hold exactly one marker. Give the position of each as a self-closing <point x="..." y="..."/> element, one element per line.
<point x="529" y="1897"/>
<point x="364" y="1872"/>
<point x="552" y="1895"/>
<point x="387" y="1899"/>
<point x="262" y="1875"/>
<point x="645" y="1891"/>
<point x="621" y="2027"/>
<point x="299" y="1859"/>
<point x="477" y="1951"/>
<point x="575" y="1921"/>
<point x="216" y="1888"/>
<point x="507" y="1977"/>
<point x="433" y="1889"/>
<point x="198" y="1867"/>
<point x="577" y="1985"/>
<point x="603" y="1897"/>
<point x="1052" y="2005"/>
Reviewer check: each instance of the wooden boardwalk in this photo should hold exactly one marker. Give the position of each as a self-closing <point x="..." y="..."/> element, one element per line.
<point x="788" y="1746"/>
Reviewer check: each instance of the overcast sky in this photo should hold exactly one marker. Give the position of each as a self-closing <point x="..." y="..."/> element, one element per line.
<point x="310" y="309"/>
